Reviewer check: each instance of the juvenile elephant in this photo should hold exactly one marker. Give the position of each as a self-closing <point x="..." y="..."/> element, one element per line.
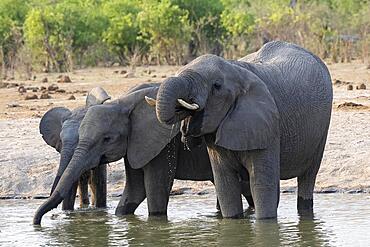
<point x="59" y="129"/>
<point x="268" y="113"/>
<point x="153" y="153"/>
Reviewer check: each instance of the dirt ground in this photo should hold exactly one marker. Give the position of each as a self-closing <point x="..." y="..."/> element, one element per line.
<point x="28" y="165"/>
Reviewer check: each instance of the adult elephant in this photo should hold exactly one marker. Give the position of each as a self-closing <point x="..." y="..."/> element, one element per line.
<point x="268" y="113"/>
<point x="59" y="129"/>
<point x="153" y="153"/>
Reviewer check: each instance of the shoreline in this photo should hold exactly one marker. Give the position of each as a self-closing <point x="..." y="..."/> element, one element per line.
<point x="189" y="191"/>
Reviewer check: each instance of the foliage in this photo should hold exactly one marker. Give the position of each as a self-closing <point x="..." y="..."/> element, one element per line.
<point x="64" y="34"/>
<point x="166" y="27"/>
<point x="123" y="35"/>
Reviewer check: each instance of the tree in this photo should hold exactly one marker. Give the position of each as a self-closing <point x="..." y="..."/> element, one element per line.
<point x="167" y="28"/>
<point x="12" y="14"/>
<point x="123" y="35"/>
<point x="207" y="31"/>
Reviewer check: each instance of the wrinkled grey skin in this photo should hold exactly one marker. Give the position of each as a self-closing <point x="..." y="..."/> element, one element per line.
<point x="59" y="129"/>
<point x="153" y="152"/>
<point x="268" y="112"/>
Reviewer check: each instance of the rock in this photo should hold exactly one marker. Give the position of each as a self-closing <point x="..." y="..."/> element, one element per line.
<point x="154" y="76"/>
<point x="44" y="80"/>
<point x="351" y="105"/>
<point x="13" y="84"/>
<point x="362" y="86"/>
<point x="328" y="191"/>
<point x="52" y="87"/>
<point x="356" y="191"/>
<point x="72" y="97"/>
<point x="40" y="196"/>
<point x="338" y="83"/>
<point x="13" y="105"/>
<point x="180" y="191"/>
<point x="60" y="90"/>
<point x="64" y="79"/>
<point x="123" y="72"/>
<point x="21" y="89"/>
<point x="349" y="87"/>
<point x="42" y="88"/>
<point x="129" y="75"/>
<point x="3" y="84"/>
<point x="116" y="194"/>
<point x="30" y="97"/>
<point x="163" y="76"/>
<point x="45" y="96"/>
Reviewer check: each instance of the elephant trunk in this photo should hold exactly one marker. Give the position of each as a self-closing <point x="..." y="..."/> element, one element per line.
<point x="172" y="89"/>
<point x="65" y="157"/>
<point x="70" y="176"/>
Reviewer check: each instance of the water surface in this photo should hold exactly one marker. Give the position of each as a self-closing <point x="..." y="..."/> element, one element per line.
<point x="339" y="220"/>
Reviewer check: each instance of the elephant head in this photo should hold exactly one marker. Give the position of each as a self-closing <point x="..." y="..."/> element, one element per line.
<point x="59" y="128"/>
<point x="123" y="127"/>
<point x="219" y="97"/>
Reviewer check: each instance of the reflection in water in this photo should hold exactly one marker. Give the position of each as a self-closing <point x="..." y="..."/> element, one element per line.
<point x="192" y="221"/>
<point x="83" y="228"/>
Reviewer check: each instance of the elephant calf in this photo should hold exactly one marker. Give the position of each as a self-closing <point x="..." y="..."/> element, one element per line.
<point x="153" y="152"/>
<point x="59" y="129"/>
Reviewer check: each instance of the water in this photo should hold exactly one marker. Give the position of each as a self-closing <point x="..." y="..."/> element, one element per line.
<point x="339" y="220"/>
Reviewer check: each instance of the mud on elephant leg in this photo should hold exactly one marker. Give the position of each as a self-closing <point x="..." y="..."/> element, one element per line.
<point x="134" y="192"/>
<point x="83" y="189"/>
<point x="306" y="182"/>
<point x="98" y="185"/>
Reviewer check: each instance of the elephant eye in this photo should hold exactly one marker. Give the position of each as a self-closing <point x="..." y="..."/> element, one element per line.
<point x="217" y="85"/>
<point x="106" y="139"/>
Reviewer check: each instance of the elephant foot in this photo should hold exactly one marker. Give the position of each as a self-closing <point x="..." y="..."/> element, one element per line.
<point x="238" y="216"/>
<point x="305" y="207"/>
<point x="126" y="209"/>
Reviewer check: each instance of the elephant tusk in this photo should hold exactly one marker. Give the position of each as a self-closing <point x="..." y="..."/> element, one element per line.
<point x="185" y="104"/>
<point x="150" y="101"/>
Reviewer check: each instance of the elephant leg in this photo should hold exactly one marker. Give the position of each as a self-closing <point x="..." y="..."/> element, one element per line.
<point x="98" y="186"/>
<point x="306" y="182"/>
<point x="227" y="186"/>
<point x="246" y="192"/>
<point x="264" y="169"/>
<point x="245" y="187"/>
<point x="69" y="201"/>
<point x="157" y="186"/>
<point x="83" y="189"/>
<point x="134" y="192"/>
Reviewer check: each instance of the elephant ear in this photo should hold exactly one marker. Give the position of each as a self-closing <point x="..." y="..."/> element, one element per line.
<point x="51" y="125"/>
<point x="147" y="136"/>
<point x="97" y="96"/>
<point x="253" y="120"/>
